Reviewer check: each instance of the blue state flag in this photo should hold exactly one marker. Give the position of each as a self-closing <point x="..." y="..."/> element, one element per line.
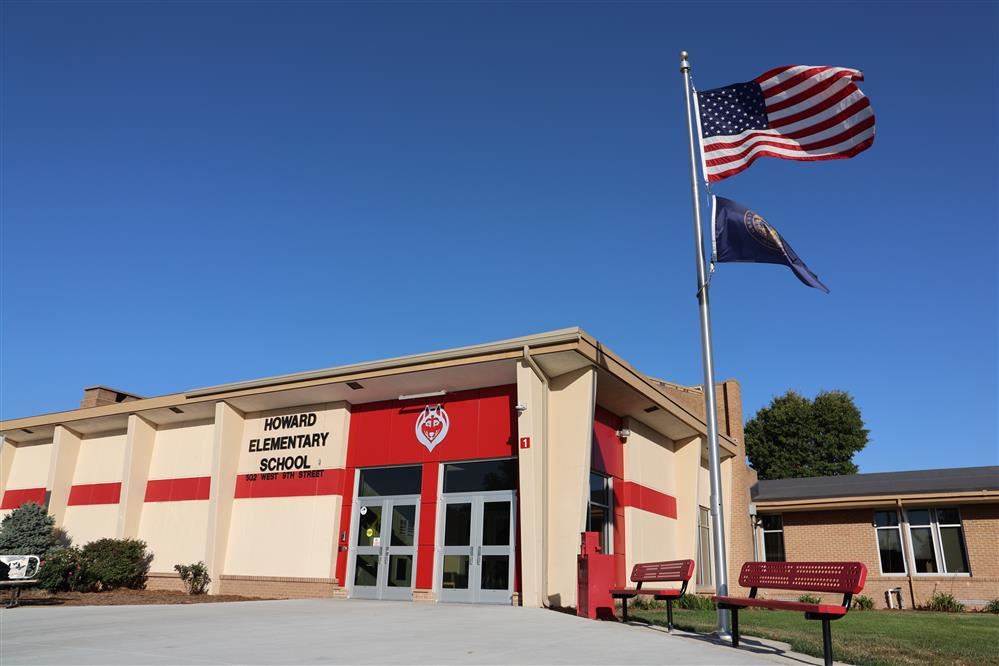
<point x="742" y="235"/>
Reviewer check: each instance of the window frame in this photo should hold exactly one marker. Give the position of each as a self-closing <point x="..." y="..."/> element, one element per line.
<point x="764" y="532"/>
<point x="934" y="527"/>
<point x="704" y="571"/>
<point x="608" y="535"/>
<point x="903" y="537"/>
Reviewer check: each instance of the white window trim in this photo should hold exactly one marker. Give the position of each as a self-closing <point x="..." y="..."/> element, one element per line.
<point x="934" y="527"/>
<point x="609" y="525"/>
<point x="709" y="570"/>
<point x="763" y="541"/>
<point x="877" y="545"/>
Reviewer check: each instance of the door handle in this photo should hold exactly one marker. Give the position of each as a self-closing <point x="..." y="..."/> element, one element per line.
<point x="478" y="555"/>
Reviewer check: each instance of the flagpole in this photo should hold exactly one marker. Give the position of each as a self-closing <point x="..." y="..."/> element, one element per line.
<point x="707" y="356"/>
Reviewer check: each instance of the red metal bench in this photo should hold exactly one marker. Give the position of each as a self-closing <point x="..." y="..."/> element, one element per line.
<point x="846" y="578"/>
<point x="672" y="571"/>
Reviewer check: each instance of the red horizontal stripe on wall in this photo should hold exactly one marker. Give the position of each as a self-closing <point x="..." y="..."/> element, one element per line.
<point x="638" y="496"/>
<point x="298" y="484"/>
<point x="178" y="490"/>
<point x="94" y="493"/>
<point x="12" y="499"/>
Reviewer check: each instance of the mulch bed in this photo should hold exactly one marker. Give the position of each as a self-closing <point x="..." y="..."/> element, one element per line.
<point x="124" y="598"/>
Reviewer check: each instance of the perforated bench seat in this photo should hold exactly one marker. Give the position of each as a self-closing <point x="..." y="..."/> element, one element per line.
<point x="776" y="604"/>
<point x="660" y="595"/>
<point x="846" y="578"/>
<point x="670" y="571"/>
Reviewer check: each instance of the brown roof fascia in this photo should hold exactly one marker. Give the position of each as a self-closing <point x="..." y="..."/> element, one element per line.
<point x="860" y="502"/>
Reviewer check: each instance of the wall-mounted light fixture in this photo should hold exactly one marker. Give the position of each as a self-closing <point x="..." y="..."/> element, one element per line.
<point x="623" y="433"/>
<point x="521" y="408"/>
<point x="414" y="396"/>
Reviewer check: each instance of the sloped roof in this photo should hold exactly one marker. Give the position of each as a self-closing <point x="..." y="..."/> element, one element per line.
<point x="959" y="479"/>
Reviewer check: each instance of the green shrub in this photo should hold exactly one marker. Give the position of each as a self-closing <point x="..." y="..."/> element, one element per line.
<point x="809" y="599"/>
<point x="943" y="603"/>
<point x="992" y="606"/>
<point x="195" y="577"/>
<point x="63" y="571"/>
<point x="694" y="602"/>
<point x="114" y="563"/>
<point x="863" y="602"/>
<point x="28" y="530"/>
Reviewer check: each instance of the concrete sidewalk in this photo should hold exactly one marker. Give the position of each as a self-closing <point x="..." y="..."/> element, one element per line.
<point x="345" y="632"/>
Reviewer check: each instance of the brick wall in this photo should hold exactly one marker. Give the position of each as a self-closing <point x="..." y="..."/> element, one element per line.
<point x="165" y="581"/>
<point x="848" y="534"/>
<point x="274" y="587"/>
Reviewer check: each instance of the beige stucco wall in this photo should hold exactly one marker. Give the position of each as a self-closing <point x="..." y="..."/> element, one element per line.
<point x="100" y="460"/>
<point x="181" y="452"/>
<point x="174" y="532"/>
<point x="283" y="536"/>
<point x="571" y="405"/>
<point x="333" y="418"/>
<point x="90" y="522"/>
<point x="30" y="466"/>
<point x="531" y="423"/>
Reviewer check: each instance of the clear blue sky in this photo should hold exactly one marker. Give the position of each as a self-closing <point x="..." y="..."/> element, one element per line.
<point x="196" y="193"/>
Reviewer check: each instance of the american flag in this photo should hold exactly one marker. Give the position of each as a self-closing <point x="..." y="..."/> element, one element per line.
<point x="797" y="112"/>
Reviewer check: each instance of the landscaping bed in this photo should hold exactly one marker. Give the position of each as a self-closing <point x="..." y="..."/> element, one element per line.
<point x="124" y="597"/>
<point x="865" y="638"/>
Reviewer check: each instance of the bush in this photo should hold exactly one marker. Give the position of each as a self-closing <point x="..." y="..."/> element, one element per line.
<point x="63" y="571"/>
<point x="114" y="563"/>
<point x="943" y="603"/>
<point x="694" y="602"/>
<point x="992" y="606"/>
<point x="863" y="602"/>
<point x="195" y="577"/>
<point x="28" y="530"/>
<point x="809" y="599"/>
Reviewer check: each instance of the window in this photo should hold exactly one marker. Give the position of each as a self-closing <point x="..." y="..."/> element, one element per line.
<point x="936" y="541"/>
<point x="889" y="542"/>
<point x="390" y="481"/>
<point x="703" y="546"/>
<point x="475" y="477"/>
<point x="599" y="517"/>
<point x="773" y="537"/>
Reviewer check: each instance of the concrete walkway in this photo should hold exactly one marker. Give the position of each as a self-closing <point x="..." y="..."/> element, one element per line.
<point x="344" y="632"/>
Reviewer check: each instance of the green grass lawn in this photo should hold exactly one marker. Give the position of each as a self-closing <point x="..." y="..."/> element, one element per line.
<point x="867" y="638"/>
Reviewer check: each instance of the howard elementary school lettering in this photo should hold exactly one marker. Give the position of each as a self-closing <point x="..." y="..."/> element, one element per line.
<point x="286" y="442"/>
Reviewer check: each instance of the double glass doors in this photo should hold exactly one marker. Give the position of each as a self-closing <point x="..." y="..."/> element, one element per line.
<point x="385" y="550"/>
<point x="477" y="553"/>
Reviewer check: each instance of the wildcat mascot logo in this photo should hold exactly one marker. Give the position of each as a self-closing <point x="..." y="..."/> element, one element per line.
<point x="432" y="426"/>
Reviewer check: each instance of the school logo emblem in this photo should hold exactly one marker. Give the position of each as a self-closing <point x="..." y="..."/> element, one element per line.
<point x="432" y="426"/>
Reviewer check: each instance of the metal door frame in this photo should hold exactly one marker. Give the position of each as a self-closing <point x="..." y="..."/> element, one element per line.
<point x="381" y="590"/>
<point x="474" y="592"/>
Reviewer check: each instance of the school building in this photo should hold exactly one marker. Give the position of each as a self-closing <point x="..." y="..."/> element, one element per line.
<point x="919" y="533"/>
<point x="459" y="475"/>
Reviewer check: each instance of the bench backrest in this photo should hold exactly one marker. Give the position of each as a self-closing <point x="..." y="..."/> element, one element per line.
<point x="662" y="572"/>
<point x="16" y="567"/>
<point x="841" y="577"/>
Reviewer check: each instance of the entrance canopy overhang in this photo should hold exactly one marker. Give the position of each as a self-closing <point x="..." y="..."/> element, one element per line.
<point x="620" y="388"/>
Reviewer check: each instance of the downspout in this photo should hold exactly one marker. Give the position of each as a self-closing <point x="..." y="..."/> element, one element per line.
<point x="904" y="524"/>
<point x="544" y="472"/>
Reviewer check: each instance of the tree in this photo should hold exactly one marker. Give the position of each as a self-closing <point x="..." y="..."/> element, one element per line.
<point x="795" y="437"/>
<point x="28" y="530"/>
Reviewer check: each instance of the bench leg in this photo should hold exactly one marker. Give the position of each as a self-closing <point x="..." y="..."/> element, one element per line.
<point x="624" y="608"/>
<point x="735" y="626"/>
<point x="669" y="615"/>
<point x="827" y="643"/>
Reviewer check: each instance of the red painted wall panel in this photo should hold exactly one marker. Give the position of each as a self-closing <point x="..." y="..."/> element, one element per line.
<point x="178" y="490"/>
<point x="13" y="499"/>
<point x="94" y="493"/>
<point x="343" y="538"/>
<point x="640" y="497"/>
<point x="428" y="527"/>
<point x="608" y="450"/>
<point x="482" y="425"/>
<point x="290" y="484"/>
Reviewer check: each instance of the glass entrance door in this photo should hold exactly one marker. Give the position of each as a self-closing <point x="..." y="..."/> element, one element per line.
<point x="477" y="553"/>
<point x="385" y="547"/>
